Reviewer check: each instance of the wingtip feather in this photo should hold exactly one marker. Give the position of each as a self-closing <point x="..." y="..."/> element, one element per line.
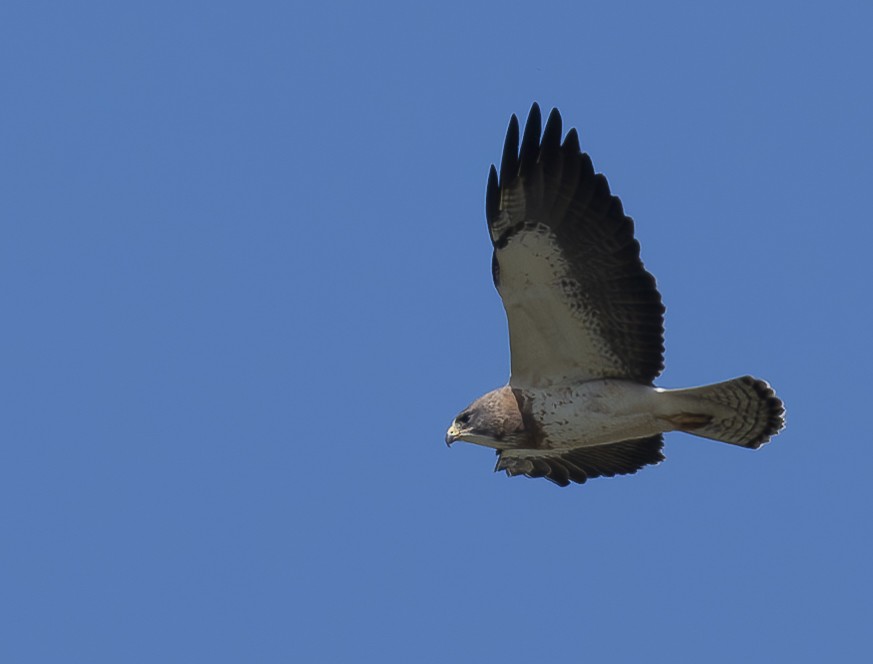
<point x="530" y="142"/>
<point x="571" y="142"/>
<point x="509" y="161"/>
<point x="492" y="195"/>
<point x="553" y="130"/>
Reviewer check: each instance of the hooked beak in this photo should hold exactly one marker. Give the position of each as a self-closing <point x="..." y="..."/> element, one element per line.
<point x="452" y="434"/>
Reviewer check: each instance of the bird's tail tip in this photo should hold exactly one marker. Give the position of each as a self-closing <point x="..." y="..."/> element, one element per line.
<point x="743" y="411"/>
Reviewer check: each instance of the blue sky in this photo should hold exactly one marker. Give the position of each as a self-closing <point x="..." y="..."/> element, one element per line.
<point x="246" y="286"/>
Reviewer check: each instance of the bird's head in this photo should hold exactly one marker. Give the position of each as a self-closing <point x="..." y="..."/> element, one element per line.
<point x="493" y="420"/>
<point x="463" y="426"/>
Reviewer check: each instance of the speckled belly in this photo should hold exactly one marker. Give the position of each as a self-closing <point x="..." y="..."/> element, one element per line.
<point x="597" y="412"/>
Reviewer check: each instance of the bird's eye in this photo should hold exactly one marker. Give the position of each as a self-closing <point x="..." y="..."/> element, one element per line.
<point x="463" y="418"/>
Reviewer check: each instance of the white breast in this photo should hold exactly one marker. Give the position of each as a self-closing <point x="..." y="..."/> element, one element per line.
<point x="596" y="412"/>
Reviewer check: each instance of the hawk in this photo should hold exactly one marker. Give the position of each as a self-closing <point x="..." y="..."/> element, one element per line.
<point x="585" y="329"/>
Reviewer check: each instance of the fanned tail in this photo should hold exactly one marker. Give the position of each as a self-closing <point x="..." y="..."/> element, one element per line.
<point x="744" y="411"/>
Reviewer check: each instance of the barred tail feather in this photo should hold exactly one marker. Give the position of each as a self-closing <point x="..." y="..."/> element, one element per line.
<point x="744" y="411"/>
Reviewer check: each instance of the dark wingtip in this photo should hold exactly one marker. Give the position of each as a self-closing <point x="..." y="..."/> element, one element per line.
<point x="553" y="130"/>
<point x="530" y="142"/>
<point x="492" y="195"/>
<point x="509" y="162"/>
<point x="550" y="148"/>
<point x="571" y="141"/>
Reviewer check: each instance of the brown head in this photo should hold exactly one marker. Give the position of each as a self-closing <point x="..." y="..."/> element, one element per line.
<point x="494" y="420"/>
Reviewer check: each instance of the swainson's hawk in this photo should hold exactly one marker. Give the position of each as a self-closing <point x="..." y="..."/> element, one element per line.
<point x="585" y="329"/>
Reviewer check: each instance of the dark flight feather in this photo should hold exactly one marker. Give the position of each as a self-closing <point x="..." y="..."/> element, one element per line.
<point x="550" y="183"/>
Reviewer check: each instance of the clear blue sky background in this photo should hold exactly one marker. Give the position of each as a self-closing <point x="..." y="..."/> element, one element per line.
<point x="245" y="288"/>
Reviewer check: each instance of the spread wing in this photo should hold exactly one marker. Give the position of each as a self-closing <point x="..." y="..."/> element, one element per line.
<point x="579" y="302"/>
<point x="583" y="463"/>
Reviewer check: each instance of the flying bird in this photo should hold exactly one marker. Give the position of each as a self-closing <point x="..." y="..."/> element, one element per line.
<point x="586" y="329"/>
